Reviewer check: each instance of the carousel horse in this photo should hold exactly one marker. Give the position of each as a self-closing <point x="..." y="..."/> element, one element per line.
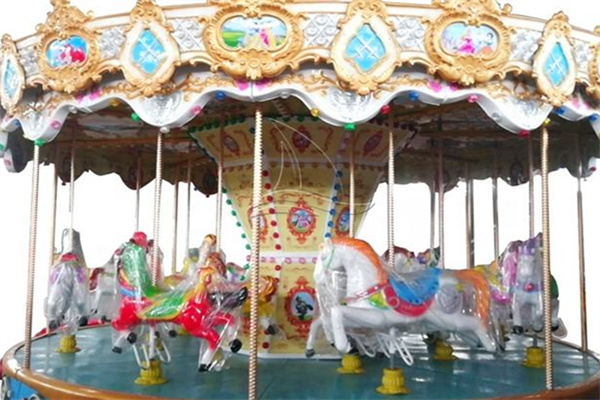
<point x="67" y="302"/>
<point x="104" y="290"/>
<point x="427" y="300"/>
<point x="189" y="305"/>
<point x="406" y="261"/>
<point x="267" y="289"/>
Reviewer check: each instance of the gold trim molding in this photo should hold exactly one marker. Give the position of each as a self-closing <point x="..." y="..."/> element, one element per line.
<point x="147" y="16"/>
<point x="594" y="68"/>
<point x="465" y="65"/>
<point x="256" y="59"/>
<point x="361" y="14"/>
<point x="557" y="31"/>
<point x="67" y="22"/>
<point x="8" y="54"/>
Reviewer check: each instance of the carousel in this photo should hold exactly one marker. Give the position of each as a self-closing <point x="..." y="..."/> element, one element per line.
<point x="292" y="113"/>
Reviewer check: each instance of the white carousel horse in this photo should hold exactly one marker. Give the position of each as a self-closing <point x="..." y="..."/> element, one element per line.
<point x="406" y="261"/>
<point x="104" y="291"/>
<point x="427" y="300"/>
<point x="67" y="302"/>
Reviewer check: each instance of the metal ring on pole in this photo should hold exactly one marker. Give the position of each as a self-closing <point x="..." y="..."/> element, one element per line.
<point x="582" y="290"/>
<point x="219" y="222"/>
<point x="390" y="193"/>
<point x="255" y="255"/>
<point x="157" y="204"/>
<point x="546" y="260"/>
<point x="33" y="223"/>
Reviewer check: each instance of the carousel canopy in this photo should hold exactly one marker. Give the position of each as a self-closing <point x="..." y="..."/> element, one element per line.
<point x="471" y="78"/>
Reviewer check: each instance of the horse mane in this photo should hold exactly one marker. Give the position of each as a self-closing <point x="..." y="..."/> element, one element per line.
<point x="366" y="250"/>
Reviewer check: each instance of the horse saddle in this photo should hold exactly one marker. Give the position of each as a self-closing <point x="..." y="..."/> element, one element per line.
<point x="417" y="288"/>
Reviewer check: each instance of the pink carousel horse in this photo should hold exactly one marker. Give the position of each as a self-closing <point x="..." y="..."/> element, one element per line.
<point x="375" y="299"/>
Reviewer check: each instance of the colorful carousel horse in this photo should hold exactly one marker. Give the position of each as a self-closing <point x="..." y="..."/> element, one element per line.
<point x="67" y="303"/>
<point x="422" y="301"/>
<point x="190" y="305"/>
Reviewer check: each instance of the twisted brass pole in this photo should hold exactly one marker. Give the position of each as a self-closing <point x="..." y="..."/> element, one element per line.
<point x="175" y="221"/>
<point x="33" y="223"/>
<point x="189" y="199"/>
<point x="390" y="194"/>
<point x="469" y="219"/>
<point x="255" y="255"/>
<point x="546" y="261"/>
<point x="582" y="288"/>
<point x="157" y="204"/>
<point x="531" y="187"/>
<point x="352" y="184"/>
<point x="432" y="214"/>
<point x="441" y="190"/>
<point x="219" y="222"/>
<point x="495" y="206"/>
<point x="138" y="186"/>
<point x="72" y="191"/>
<point x="54" y="207"/>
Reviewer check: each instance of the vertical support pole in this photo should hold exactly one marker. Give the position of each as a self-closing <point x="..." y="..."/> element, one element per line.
<point x="469" y="215"/>
<point x="175" y="221"/>
<point x="353" y="183"/>
<point x="441" y="190"/>
<point x="582" y="288"/>
<point x="138" y="187"/>
<point x="33" y="223"/>
<point x="157" y="203"/>
<point x="390" y="194"/>
<point x="546" y="260"/>
<point x="72" y="192"/>
<point x="220" y="161"/>
<point x="54" y="206"/>
<point x="432" y="213"/>
<point x="188" y="215"/>
<point x="255" y="255"/>
<point x="495" y="205"/>
<point x="531" y="187"/>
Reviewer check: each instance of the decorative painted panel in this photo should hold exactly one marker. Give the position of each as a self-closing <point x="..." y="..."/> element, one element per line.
<point x="12" y="76"/>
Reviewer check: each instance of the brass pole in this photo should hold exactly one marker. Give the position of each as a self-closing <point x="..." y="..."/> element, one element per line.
<point x="531" y="188"/>
<point x="175" y="221"/>
<point x="495" y="206"/>
<point x="157" y="203"/>
<point x="469" y="219"/>
<point x="546" y="261"/>
<point x="138" y="186"/>
<point x="390" y="194"/>
<point x="189" y="199"/>
<point x="33" y="223"/>
<point x="582" y="288"/>
<point x="220" y="161"/>
<point x="353" y="183"/>
<point x="441" y="190"/>
<point x="255" y="255"/>
<point x="54" y="206"/>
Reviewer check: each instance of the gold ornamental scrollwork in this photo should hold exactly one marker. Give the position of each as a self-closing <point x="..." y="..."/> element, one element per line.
<point x="68" y="51"/>
<point x="468" y="43"/>
<point x="253" y="39"/>
<point x="365" y="51"/>
<point x="594" y="69"/>
<point x="12" y="76"/>
<point x="554" y="67"/>
<point x="150" y="54"/>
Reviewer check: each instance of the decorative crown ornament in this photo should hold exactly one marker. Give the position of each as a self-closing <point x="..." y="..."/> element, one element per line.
<point x="594" y="68"/>
<point x="68" y="51"/>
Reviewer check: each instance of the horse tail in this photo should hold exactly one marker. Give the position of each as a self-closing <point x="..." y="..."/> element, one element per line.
<point x="482" y="288"/>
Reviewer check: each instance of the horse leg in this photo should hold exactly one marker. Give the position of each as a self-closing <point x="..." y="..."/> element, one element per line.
<point x="80" y="298"/>
<point x="212" y="340"/>
<point x="516" y="311"/>
<point x="229" y="322"/>
<point x="312" y="333"/>
<point x="339" y="333"/>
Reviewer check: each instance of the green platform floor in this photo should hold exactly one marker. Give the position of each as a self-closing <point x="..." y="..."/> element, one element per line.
<point x="476" y="374"/>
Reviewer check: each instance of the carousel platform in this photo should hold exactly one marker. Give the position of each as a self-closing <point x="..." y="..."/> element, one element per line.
<point x="97" y="373"/>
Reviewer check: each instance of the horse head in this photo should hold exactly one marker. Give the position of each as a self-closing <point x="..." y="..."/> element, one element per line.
<point x="324" y="261"/>
<point x="71" y="243"/>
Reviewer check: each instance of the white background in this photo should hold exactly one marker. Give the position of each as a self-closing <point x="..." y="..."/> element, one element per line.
<point x="104" y="207"/>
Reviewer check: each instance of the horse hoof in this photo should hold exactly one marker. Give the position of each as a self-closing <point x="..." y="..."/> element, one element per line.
<point x="172" y="333"/>
<point x="353" y="351"/>
<point x="132" y="338"/>
<point x="518" y="330"/>
<point x="241" y="297"/>
<point x="157" y="334"/>
<point x="83" y="321"/>
<point x="271" y="330"/>
<point x="379" y="355"/>
<point x="104" y="320"/>
<point x="117" y="349"/>
<point x="203" y="368"/>
<point x="309" y="353"/>
<point x="53" y="325"/>
<point x="235" y="345"/>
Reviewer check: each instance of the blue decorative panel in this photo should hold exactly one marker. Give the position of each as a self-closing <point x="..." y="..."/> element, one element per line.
<point x="556" y="67"/>
<point x="366" y="48"/>
<point x="148" y="52"/>
<point x="10" y="80"/>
